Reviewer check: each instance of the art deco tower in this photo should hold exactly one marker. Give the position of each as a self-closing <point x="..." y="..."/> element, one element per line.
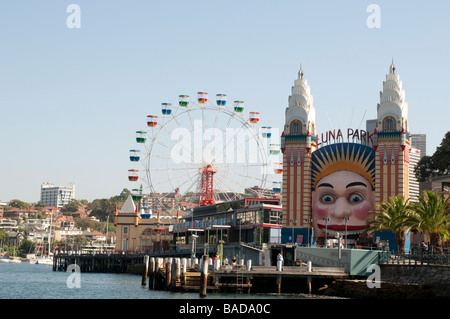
<point x="298" y="140"/>
<point x="392" y="141"/>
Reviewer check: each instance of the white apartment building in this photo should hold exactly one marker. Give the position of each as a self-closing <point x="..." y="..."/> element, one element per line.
<point x="56" y="196"/>
<point x="414" y="158"/>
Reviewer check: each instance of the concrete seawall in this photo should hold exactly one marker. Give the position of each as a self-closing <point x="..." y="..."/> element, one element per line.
<point x="398" y="282"/>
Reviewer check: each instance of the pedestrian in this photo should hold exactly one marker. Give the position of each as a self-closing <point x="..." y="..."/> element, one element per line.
<point x="280" y="258"/>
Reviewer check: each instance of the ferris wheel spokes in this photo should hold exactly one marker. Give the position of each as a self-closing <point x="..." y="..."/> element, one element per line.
<point x="218" y="135"/>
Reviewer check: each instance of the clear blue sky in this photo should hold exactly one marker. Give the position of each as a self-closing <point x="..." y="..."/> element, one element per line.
<point x="72" y="99"/>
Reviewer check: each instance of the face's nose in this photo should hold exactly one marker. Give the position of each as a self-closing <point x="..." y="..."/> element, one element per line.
<point x="341" y="208"/>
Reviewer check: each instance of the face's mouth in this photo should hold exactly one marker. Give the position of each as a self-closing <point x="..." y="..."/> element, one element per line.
<point x="341" y="228"/>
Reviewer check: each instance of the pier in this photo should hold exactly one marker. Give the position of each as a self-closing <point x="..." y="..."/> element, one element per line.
<point x="97" y="262"/>
<point x="184" y="275"/>
<point x="193" y="275"/>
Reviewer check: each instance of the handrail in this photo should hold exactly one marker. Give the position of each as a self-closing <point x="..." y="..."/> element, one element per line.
<point x="422" y="259"/>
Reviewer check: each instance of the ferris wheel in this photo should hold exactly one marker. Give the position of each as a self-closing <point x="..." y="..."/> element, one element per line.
<point x="199" y="152"/>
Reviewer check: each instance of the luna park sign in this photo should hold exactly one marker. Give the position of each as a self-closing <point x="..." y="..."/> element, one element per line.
<point x="352" y="135"/>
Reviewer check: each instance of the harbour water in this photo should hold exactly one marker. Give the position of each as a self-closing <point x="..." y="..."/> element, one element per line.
<point x="29" y="281"/>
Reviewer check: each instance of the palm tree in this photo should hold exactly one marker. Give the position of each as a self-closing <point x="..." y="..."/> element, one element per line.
<point x="394" y="215"/>
<point x="432" y="218"/>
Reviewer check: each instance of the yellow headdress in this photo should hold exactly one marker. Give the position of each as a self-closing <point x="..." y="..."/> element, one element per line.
<point x="353" y="157"/>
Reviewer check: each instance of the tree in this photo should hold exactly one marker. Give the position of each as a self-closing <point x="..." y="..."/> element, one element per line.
<point x="72" y="206"/>
<point x="102" y="208"/>
<point x="16" y="203"/>
<point x="394" y="215"/>
<point x="431" y="216"/>
<point x="27" y="246"/>
<point x="436" y="165"/>
<point x="79" y="241"/>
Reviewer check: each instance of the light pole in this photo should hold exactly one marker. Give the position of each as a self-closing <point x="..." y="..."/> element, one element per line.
<point x="308" y="220"/>
<point x="326" y="219"/>
<point x="194" y="240"/>
<point x="346" y="220"/>
<point x="293" y="221"/>
<point x="220" y="243"/>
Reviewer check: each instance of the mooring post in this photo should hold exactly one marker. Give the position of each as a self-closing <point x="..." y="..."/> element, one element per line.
<point x="175" y="272"/>
<point x="309" y="284"/>
<point x="279" y="284"/>
<point x="204" y="276"/>
<point x="168" y="273"/>
<point x="184" y="267"/>
<point x="151" y="273"/>
<point x="157" y="278"/>
<point x="145" y="273"/>
<point x="309" y="278"/>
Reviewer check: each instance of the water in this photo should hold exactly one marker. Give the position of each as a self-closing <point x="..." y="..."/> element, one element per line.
<point x="28" y="281"/>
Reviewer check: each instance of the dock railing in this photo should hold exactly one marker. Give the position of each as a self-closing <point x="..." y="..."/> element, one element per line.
<point x="422" y="259"/>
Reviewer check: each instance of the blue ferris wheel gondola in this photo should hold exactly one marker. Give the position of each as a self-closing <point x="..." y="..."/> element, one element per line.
<point x="146" y="212"/>
<point x="221" y="99"/>
<point x="166" y="108"/>
<point x="135" y="155"/>
<point x="266" y="132"/>
<point x="276" y="187"/>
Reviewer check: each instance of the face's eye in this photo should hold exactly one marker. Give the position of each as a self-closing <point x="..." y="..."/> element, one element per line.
<point x="355" y="198"/>
<point x="327" y="199"/>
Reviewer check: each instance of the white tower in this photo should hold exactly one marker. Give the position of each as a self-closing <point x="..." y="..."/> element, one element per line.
<point x="393" y="144"/>
<point x="298" y="140"/>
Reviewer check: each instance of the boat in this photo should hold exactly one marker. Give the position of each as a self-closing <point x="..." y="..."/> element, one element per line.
<point x="45" y="261"/>
<point x="4" y="260"/>
<point x="14" y="261"/>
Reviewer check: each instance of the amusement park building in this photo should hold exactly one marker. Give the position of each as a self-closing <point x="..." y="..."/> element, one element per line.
<point x="381" y="156"/>
<point x="138" y="232"/>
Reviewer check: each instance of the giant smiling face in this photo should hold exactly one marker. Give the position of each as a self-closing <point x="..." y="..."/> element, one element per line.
<point x="338" y="195"/>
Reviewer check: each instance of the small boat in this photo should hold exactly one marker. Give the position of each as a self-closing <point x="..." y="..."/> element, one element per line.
<point x="45" y="261"/>
<point x="4" y="260"/>
<point x="15" y="261"/>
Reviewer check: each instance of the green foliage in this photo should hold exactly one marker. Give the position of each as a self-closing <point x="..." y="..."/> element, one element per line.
<point x="432" y="217"/>
<point x="16" y="203"/>
<point x="72" y="206"/>
<point x="436" y="165"/>
<point x="102" y="208"/>
<point x="394" y="215"/>
<point x="26" y="247"/>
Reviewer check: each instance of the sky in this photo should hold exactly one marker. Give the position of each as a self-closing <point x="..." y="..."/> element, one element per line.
<point x="72" y="98"/>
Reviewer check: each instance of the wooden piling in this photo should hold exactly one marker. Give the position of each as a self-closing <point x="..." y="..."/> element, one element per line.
<point x="204" y="276"/>
<point x="168" y="273"/>
<point x="151" y="274"/>
<point x="309" y="284"/>
<point x="176" y="272"/>
<point x="145" y="272"/>
<point x="157" y="277"/>
<point x="279" y="284"/>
